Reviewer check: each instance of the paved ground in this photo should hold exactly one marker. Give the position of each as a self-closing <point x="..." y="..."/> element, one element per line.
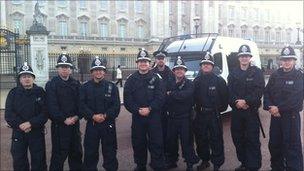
<point x="125" y="153"/>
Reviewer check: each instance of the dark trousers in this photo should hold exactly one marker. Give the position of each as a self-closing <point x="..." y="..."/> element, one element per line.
<point x="119" y="81"/>
<point x="285" y="142"/>
<point x="104" y="134"/>
<point x="209" y="137"/>
<point x="33" y="141"/>
<point x="66" y="143"/>
<point x="180" y="129"/>
<point x="245" y="133"/>
<point x="164" y="124"/>
<point x="147" y="134"/>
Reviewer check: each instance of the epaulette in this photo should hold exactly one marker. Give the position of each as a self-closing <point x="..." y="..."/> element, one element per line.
<point x="159" y="76"/>
<point x="129" y="76"/>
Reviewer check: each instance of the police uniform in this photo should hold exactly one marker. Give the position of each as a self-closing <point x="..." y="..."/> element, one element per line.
<point x="180" y="102"/>
<point x="145" y="90"/>
<point x="62" y="101"/>
<point x="211" y="98"/>
<point x="27" y="105"/>
<point x="167" y="76"/>
<point x="95" y="98"/>
<point x="245" y="126"/>
<point x="285" y="90"/>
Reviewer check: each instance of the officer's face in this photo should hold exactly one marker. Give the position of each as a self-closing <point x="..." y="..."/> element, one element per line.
<point x="98" y="74"/>
<point x="287" y="64"/>
<point x="143" y="65"/>
<point x="160" y="62"/>
<point x="179" y="72"/>
<point x="244" y="59"/>
<point x="206" y="68"/>
<point x="64" y="71"/>
<point x="26" y="80"/>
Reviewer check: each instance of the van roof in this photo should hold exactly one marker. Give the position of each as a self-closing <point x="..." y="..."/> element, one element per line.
<point x="187" y="43"/>
<point x="205" y="42"/>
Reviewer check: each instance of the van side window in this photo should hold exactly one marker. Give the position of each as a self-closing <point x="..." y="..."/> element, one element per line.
<point x="232" y="61"/>
<point x="218" y="63"/>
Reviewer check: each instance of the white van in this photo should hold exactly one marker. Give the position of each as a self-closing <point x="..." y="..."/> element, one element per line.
<point x="192" y="49"/>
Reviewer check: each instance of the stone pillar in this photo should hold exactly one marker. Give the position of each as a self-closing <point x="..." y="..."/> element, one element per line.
<point x="159" y="20"/>
<point x="39" y="58"/>
<point x="179" y="18"/>
<point x="3" y="14"/>
<point x="39" y="55"/>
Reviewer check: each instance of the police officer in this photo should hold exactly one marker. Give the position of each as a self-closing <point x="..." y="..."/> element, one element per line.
<point x="167" y="75"/>
<point x="63" y="100"/>
<point x="143" y="97"/>
<point x="211" y="98"/>
<point x="283" y="99"/>
<point x="246" y="84"/>
<point x="180" y="102"/>
<point x="100" y="105"/>
<point x="26" y="114"/>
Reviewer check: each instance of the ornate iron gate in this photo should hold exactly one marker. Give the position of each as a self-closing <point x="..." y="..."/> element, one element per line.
<point x="14" y="50"/>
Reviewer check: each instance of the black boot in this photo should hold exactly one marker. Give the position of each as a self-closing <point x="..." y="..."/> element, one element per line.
<point x="216" y="167"/>
<point x="140" y="168"/>
<point x="203" y="165"/>
<point x="240" y="168"/>
<point x="189" y="167"/>
<point x="170" y="165"/>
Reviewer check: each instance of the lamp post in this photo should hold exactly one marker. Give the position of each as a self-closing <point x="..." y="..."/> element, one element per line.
<point x="298" y="28"/>
<point x="196" y="21"/>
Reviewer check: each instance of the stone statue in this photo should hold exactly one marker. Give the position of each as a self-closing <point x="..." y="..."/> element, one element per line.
<point x="38" y="16"/>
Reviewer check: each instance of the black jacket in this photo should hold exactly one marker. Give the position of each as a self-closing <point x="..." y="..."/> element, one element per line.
<point x="26" y="105"/>
<point x="210" y="91"/>
<point x="284" y="90"/>
<point x="144" y="90"/>
<point x="102" y="97"/>
<point x="62" y="98"/>
<point x="180" y="99"/>
<point x="248" y="85"/>
<point x="167" y="75"/>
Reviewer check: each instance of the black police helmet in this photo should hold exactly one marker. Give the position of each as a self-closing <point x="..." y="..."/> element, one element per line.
<point x="143" y="55"/>
<point x="64" y="60"/>
<point x="179" y="63"/>
<point x="26" y="69"/>
<point x="97" y="63"/>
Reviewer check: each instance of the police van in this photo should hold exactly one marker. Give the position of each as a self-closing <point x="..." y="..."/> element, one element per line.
<point x="193" y="47"/>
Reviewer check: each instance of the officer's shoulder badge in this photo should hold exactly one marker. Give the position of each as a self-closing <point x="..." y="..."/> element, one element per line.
<point x="129" y="76"/>
<point x="110" y="87"/>
<point x="159" y="76"/>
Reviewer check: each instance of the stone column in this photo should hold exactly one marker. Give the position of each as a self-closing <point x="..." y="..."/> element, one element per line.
<point x="159" y="20"/>
<point x="3" y="14"/>
<point x="39" y="59"/>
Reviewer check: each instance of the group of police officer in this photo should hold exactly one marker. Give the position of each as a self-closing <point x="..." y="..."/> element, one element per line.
<point x="166" y="108"/>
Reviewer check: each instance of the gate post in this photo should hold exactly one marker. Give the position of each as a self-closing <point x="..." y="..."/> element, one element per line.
<point x="39" y="59"/>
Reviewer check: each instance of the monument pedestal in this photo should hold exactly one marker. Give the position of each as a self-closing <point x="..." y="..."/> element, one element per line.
<point x="39" y="52"/>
